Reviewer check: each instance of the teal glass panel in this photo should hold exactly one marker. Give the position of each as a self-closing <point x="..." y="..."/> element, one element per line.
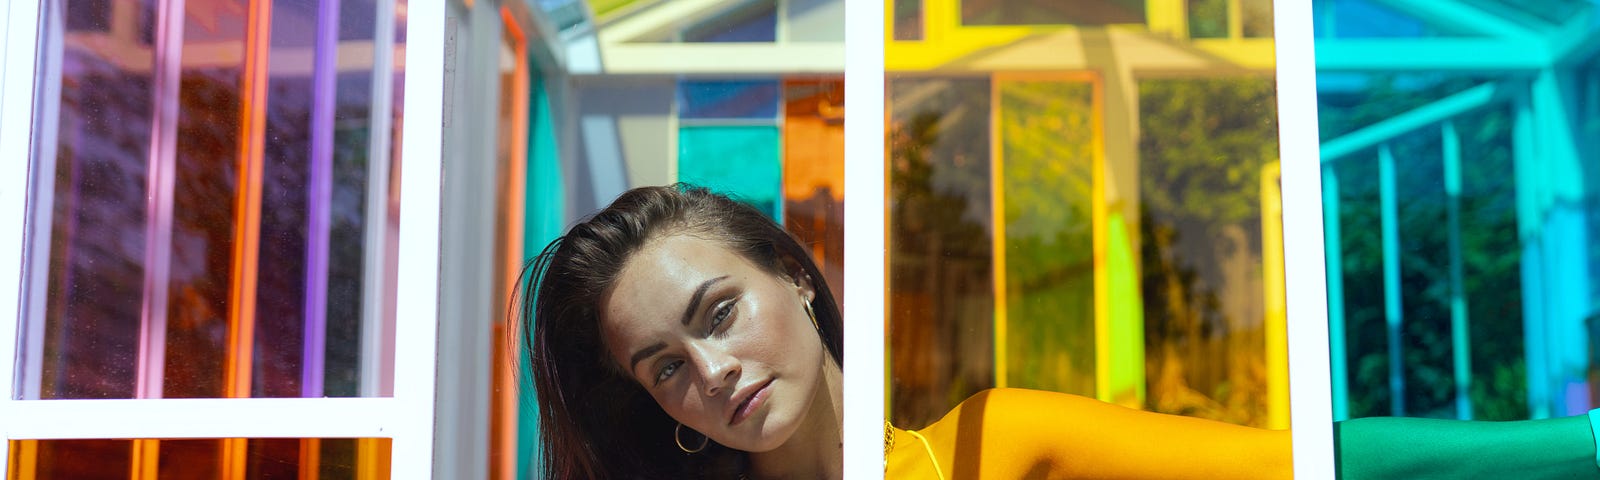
<point x="1374" y="19"/>
<point x="1047" y="149"/>
<point x="741" y="161"/>
<point x="545" y="198"/>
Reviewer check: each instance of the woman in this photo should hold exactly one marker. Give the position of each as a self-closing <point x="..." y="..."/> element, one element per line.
<point x="680" y="334"/>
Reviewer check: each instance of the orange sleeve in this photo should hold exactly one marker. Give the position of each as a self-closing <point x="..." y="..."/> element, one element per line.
<point x="1016" y="433"/>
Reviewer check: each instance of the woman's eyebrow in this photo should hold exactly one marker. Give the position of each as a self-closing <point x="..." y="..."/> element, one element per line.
<point x="644" y="353"/>
<point x="699" y="293"/>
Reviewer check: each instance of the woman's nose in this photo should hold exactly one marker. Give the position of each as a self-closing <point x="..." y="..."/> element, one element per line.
<point x="718" y="369"/>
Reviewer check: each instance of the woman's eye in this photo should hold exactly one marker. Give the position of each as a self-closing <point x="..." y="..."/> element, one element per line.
<point x="721" y="314"/>
<point x="668" y="370"/>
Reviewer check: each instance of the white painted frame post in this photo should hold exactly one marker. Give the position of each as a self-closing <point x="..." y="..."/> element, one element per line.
<point x="19" y="23"/>
<point x="864" y="241"/>
<point x="407" y="417"/>
<point x="1310" y="399"/>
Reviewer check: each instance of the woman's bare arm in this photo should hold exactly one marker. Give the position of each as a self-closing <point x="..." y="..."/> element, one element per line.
<point x="1015" y="433"/>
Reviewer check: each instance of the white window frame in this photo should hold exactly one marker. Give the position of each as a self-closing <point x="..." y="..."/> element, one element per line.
<point x="864" y="241"/>
<point x="407" y="417"/>
<point x="1305" y="275"/>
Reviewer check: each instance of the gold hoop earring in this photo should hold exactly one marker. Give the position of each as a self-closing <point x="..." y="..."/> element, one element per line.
<point x="811" y="313"/>
<point x="677" y="437"/>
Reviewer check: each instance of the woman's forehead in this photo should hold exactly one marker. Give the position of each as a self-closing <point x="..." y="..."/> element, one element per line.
<point x="659" y="280"/>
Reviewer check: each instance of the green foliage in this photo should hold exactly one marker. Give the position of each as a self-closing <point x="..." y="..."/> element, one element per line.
<point x="1203" y="144"/>
<point x="1047" y="142"/>
<point x="1491" y="260"/>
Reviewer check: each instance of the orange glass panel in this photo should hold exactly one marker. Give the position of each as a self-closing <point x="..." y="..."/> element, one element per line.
<point x="813" y="173"/>
<point x="201" y="459"/>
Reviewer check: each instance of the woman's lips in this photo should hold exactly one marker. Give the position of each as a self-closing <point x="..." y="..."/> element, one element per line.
<point x="751" y="402"/>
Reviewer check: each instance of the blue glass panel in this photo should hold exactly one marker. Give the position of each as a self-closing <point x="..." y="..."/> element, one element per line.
<point x="748" y="99"/>
<point x="741" y="161"/>
<point x="1369" y="19"/>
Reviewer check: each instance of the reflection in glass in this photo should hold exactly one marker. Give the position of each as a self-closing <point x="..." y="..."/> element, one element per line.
<point x="1204" y="145"/>
<point x="941" y="284"/>
<point x="206" y="194"/>
<point x="908" y="20"/>
<point x="1047" y="152"/>
<point x="327" y="458"/>
<point x="813" y="173"/>
<point x="83" y="336"/>
<point x="1051" y="12"/>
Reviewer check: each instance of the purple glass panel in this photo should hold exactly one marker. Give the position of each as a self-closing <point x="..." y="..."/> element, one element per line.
<point x="97" y="243"/>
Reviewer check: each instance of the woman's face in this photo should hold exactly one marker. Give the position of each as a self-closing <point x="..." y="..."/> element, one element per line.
<point x="724" y="346"/>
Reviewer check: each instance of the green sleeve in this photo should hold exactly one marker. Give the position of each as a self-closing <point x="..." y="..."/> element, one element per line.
<point x="1391" y="447"/>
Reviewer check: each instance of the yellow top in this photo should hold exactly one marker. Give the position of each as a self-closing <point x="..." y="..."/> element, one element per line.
<point x="1014" y="433"/>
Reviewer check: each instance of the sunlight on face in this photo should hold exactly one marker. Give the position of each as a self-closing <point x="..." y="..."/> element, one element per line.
<point x="723" y="345"/>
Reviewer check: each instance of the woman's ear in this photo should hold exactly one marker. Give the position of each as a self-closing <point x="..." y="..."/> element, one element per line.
<point x="797" y="275"/>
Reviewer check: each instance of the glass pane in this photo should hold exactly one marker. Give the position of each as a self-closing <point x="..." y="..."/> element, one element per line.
<point x="742" y="162"/>
<point x="603" y="7"/>
<point x="1203" y="146"/>
<point x="941" y="284"/>
<point x="757" y="99"/>
<point x="1257" y="18"/>
<point x="1373" y="19"/>
<point x="1047" y="142"/>
<point x="908" y="20"/>
<point x="83" y="323"/>
<point x="1051" y="12"/>
<point x="752" y="22"/>
<point x="208" y="235"/>
<point x="327" y="458"/>
<point x="1208" y="18"/>
<point x="813" y="173"/>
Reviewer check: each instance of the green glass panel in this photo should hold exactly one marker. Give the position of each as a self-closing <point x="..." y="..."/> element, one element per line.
<point x="1208" y="18"/>
<point x="1047" y="147"/>
<point x="741" y="161"/>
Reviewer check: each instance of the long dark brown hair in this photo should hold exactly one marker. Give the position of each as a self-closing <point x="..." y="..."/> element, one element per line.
<point x="595" y="422"/>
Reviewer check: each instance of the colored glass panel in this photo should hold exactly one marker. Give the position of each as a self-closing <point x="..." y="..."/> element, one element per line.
<point x="82" y="337"/>
<point x="1047" y="157"/>
<point x="1208" y="18"/>
<point x="159" y="156"/>
<point x="1204" y="145"/>
<point x="1374" y="19"/>
<point x="330" y="458"/>
<point x="1257" y="18"/>
<point x="740" y="99"/>
<point x="603" y="7"/>
<point x="813" y="173"/>
<point x="1492" y="270"/>
<point x="908" y="20"/>
<point x="751" y="22"/>
<point x="1051" y="12"/>
<point x="742" y="162"/>
<point x="941" y="283"/>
